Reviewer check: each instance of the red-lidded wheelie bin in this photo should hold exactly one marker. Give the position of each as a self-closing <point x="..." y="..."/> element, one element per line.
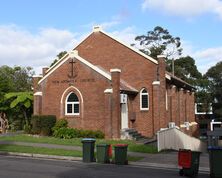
<point x="121" y="154"/>
<point x="103" y="153"/>
<point x="189" y="162"/>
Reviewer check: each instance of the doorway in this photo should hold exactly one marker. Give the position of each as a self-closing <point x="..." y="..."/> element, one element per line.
<point x="124" y="116"/>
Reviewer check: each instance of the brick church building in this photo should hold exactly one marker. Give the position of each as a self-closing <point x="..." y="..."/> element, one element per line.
<point x="105" y="84"/>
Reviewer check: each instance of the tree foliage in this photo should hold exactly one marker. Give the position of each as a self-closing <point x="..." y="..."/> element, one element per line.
<point x="214" y="76"/>
<point x="20" y="98"/>
<point x="59" y="56"/>
<point x="15" y="93"/>
<point x="22" y="101"/>
<point x="159" y="41"/>
<point x="15" y="79"/>
<point x="186" y="69"/>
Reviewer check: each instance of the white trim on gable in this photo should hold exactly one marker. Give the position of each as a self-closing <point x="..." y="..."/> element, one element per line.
<point x="54" y="65"/>
<point x="115" y="70"/>
<point x="38" y="93"/>
<point x="108" y="90"/>
<point x="74" y="55"/>
<point x="161" y="56"/>
<point x="168" y="76"/>
<point x="156" y="83"/>
<point x="130" y="47"/>
<point x="97" y="69"/>
<point x="97" y="29"/>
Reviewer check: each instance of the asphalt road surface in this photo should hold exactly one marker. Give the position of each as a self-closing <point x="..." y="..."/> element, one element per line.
<point x="20" y="167"/>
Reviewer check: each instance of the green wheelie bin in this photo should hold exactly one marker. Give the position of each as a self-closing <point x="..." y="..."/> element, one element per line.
<point x="215" y="159"/>
<point x="102" y="153"/>
<point x="189" y="162"/>
<point x="88" y="149"/>
<point x="121" y="154"/>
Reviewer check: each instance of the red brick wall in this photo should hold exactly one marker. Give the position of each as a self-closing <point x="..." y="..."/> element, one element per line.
<point x="181" y="101"/>
<point x="91" y="86"/>
<point x="162" y="95"/>
<point x="136" y="70"/>
<point x="116" y="121"/>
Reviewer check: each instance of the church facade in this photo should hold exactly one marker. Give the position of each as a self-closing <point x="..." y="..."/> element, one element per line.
<point x="105" y="84"/>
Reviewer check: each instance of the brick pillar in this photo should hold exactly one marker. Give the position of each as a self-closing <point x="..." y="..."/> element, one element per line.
<point x="192" y="106"/>
<point x="181" y="106"/>
<point x="174" y="105"/>
<point x="108" y="113"/>
<point x="35" y="80"/>
<point x="37" y="105"/>
<point x="162" y="90"/>
<point x="156" y="108"/>
<point x="44" y="71"/>
<point x="187" y="106"/>
<point x="116" y="118"/>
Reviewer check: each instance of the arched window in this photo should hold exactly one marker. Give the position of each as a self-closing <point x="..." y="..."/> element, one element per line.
<point x="144" y="99"/>
<point x="72" y="104"/>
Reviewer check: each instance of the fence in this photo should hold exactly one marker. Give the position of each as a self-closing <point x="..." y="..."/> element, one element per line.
<point x="175" y="139"/>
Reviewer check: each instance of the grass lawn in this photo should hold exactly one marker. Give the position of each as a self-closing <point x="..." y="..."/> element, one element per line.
<point x="132" y="146"/>
<point x="49" y="151"/>
<point x="39" y="150"/>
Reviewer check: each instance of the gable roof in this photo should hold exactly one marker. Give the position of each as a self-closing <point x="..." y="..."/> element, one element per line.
<point x="74" y="54"/>
<point x="97" y="29"/>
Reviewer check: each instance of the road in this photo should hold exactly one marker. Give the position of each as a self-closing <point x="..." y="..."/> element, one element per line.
<point x="21" y="167"/>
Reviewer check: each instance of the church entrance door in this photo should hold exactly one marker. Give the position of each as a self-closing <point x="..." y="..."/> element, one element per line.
<point x="124" y="116"/>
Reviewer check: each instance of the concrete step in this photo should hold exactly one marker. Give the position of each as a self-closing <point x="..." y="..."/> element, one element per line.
<point x="139" y="138"/>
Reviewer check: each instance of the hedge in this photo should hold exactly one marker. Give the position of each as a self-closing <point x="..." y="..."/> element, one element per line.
<point x="42" y="124"/>
<point x="68" y="133"/>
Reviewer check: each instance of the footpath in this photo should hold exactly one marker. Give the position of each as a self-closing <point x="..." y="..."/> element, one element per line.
<point x="164" y="160"/>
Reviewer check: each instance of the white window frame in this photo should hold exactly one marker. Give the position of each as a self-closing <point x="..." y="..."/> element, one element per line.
<point x="73" y="103"/>
<point x="142" y="94"/>
<point x="210" y="109"/>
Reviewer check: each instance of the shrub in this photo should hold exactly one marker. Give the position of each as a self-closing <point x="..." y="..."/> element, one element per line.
<point x="36" y="124"/>
<point x="27" y="128"/>
<point x="92" y="134"/>
<point x="16" y="125"/>
<point x="43" y="124"/>
<point x="68" y="133"/>
<point x="61" y="123"/>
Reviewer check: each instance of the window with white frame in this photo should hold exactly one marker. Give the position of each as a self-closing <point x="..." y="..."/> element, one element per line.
<point x="144" y="99"/>
<point x="72" y="104"/>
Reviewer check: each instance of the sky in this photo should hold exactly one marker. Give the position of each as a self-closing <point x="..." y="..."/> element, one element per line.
<point x="33" y="32"/>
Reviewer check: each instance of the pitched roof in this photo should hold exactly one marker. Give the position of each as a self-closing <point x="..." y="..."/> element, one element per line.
<point x="179" y="82"/>
<point x="74" y="54"/>
<point x="98" y="29"/>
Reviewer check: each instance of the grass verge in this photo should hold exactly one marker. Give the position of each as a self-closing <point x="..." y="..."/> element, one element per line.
<point x="49" y="151"/>
<point x="132" y="146"/>
<point x="39" y="150"/>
